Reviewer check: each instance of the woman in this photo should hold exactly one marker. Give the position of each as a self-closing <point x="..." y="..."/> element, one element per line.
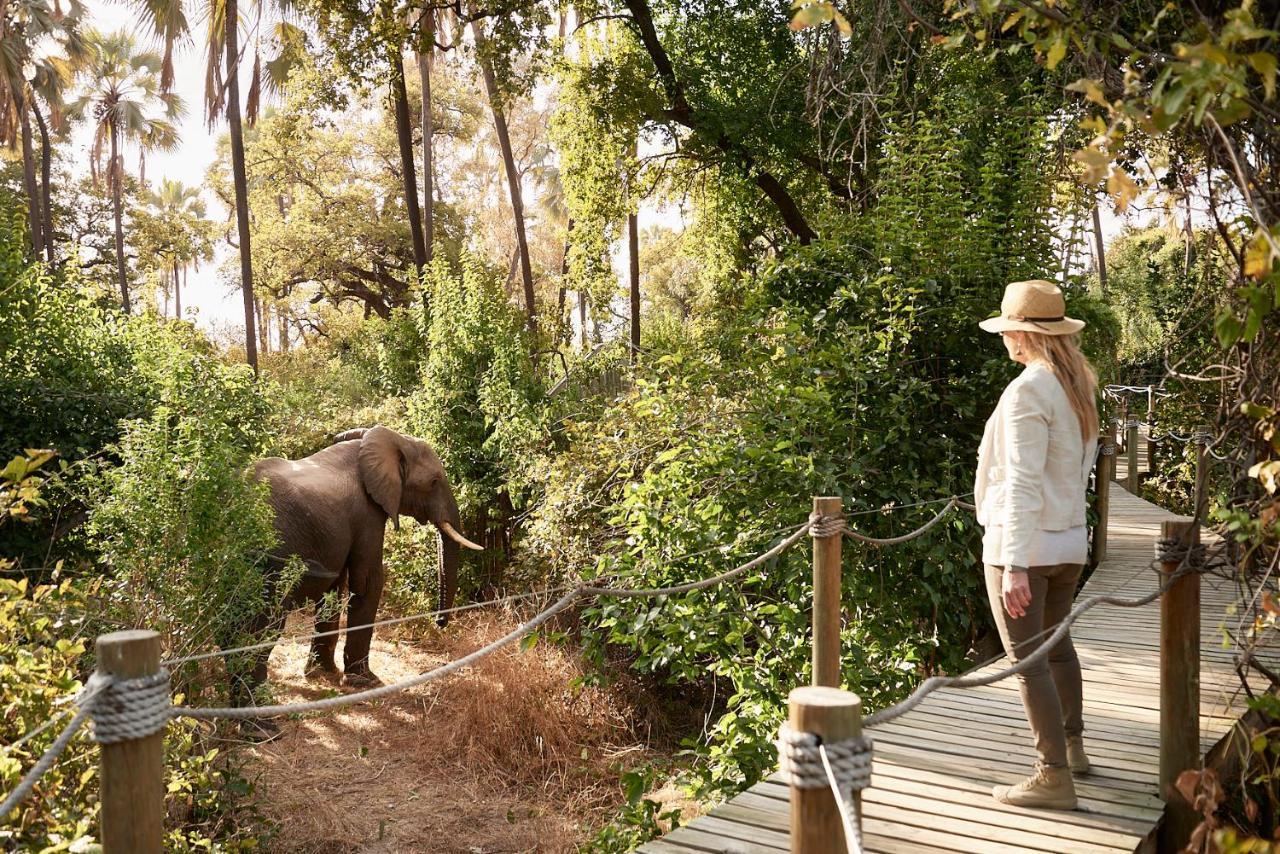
<point x="1033" y="468"/>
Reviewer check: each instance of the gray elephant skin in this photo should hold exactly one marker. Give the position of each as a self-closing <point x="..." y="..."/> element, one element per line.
<point x="331" y="510"/>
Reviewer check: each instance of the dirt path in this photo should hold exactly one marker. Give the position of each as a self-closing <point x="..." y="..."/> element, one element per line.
<point x="509" y="757"/>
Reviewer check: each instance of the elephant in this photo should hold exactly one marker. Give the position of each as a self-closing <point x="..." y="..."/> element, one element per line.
<point x="331" y="511"/>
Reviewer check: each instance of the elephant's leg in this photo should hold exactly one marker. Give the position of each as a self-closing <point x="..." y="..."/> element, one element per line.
<point x="247" y="671"/>
<point x="320" y="661"/>
<point x="361" y="611"/>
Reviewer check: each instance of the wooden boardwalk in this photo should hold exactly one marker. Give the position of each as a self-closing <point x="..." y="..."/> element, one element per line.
<point x="934" y="767"/>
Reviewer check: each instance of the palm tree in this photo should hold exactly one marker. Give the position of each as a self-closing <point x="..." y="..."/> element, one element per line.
<point x="122" y="98"/>
<point x="171" y="23"/>
<point x="41" y="43"/>
<point x="187" y="231"/>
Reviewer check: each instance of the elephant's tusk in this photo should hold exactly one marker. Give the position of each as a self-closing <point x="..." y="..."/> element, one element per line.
<point x="461" y="540"/>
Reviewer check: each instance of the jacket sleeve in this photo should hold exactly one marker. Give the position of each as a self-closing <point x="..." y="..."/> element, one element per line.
<point x="1026" y="429"/>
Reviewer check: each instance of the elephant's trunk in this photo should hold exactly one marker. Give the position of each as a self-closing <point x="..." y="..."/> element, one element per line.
<point x="450" y="553"/>
<point x="450" y="556"/>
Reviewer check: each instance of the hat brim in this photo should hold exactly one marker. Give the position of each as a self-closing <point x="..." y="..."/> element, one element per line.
<point x="1066" y="326"/>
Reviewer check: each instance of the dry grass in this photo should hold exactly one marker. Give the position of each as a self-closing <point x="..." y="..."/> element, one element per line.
<point x="508" y="757"/>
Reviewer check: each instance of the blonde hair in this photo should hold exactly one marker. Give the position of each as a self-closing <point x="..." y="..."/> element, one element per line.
<point x="1062" y="355"/>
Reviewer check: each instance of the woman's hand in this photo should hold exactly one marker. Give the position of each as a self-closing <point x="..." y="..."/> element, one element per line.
<point x="1015" y="589"/>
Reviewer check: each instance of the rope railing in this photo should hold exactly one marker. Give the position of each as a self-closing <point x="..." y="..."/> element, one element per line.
<point x="1191" y="560"/>
<point x="123" y="710"/>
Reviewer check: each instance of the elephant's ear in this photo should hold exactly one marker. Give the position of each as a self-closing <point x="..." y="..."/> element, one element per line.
<point x="381" y="469"/>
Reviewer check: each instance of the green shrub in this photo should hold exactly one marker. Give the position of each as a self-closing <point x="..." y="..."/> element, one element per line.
<point x="479" y="402"/>
<point x="45" y="653"/>
<point x="178" y="523"/>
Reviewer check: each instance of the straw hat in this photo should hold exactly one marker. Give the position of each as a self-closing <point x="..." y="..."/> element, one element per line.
<point x="1034" y="306"/>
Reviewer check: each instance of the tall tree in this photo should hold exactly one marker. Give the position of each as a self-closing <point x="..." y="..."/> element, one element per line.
<point x="171" y="23"/>
<point x="122" y="98"/>
<point x="172" y="230"/>
<point x="509" y="166"/>
<point x="404" y="138"/>
<point x="25" y="74"/>
<point x="426" y="56"/>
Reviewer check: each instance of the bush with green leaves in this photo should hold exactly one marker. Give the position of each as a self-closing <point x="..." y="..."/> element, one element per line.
<point x="46" y="635"/>
<point x="66" y="376"/>
<point x="479" y="401"/>
<point x="179" y="524"/>
<point x="356" y="375"/>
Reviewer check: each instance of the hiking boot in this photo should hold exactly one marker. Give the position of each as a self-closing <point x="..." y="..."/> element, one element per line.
<point x="1077" y="761"/>
<point x="1047" y="788"/>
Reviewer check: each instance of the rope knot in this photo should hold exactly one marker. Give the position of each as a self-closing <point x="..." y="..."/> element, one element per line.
<point x="800" y="761"/>
<point x="125" y="709"/>
<point x="1174" y="549"/>
<point x="821" y="526"/>
<point x="1107" y="449"/>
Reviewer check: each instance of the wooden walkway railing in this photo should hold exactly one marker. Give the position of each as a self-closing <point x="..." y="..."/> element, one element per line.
<point x="934" y="767"/>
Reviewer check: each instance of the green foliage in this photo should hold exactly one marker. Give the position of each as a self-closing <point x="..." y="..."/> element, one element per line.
<point x="639" y="821"/>
<point x="478" y="400"/>
<point x="65" y="378"/>
<point x="177" y="522"/>
<point x="42" y="647"/>
<point x="44" y="653"/>
<point x="1161" y="302"/>
<point x="357" y="375"/>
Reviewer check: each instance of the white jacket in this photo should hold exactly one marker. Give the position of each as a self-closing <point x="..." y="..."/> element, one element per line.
<point x="1033" y="467"/>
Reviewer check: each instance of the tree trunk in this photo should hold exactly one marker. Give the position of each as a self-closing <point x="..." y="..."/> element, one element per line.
<point x="513" y="177"/>
<point x="1099" y="250"/>
<point x="562" y="295"/>
<point x="264" y="345"/>
<point x="233" y="122"/>
<point x="1189" y="251"/>
<point x="405" y="138"/>
<point x="425" y="53"/>
<point x="633" y="253"/>
<point x="177" y="289"/>
<point x="283" y="331"/>
<point x="582" y="318"/>
<point x="46" y="193"/>
<point x="115" y="174"/>
<point x="29" y="171"/>
<point x="232" y="15"/>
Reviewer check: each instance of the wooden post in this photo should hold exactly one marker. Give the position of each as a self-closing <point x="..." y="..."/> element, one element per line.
<point x="1202" y="473"/>
<point x="132" y="781"/>
<point x="833" y="715"/>
<point x="1103" y="475"/>
<point x="826" y="597"/>
<point x="1179" y="686"/>
<point x="1131" y="452"/>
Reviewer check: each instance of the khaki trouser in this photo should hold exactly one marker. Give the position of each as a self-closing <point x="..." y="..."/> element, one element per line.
<point x="1051" y="690"/>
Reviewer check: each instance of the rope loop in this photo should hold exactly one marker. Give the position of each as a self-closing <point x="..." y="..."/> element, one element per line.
<point x="1174" y="550"/>
<point x="1107" y="449"/>
<point x="126" y="709"/>
<point x="800" y="761"/>
<point x="821" y="527"/>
